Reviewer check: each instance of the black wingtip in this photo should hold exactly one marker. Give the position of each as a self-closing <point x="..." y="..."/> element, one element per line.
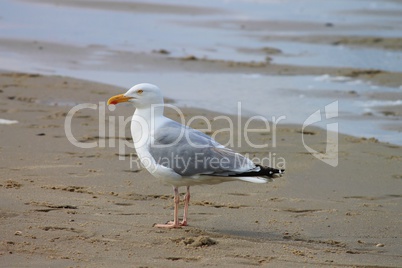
<point x="270" y="172"/>
<point x="263" y="172"/>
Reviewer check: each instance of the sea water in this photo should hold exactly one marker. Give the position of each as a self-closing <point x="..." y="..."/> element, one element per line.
<point x="86" y="38"/>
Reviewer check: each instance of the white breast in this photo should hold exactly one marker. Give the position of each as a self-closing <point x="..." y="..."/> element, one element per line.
<point x="142" y="133"/>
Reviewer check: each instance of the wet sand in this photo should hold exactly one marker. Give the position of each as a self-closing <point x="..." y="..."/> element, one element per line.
<point x="83" y="58"/>
<point x="70" y="207"/>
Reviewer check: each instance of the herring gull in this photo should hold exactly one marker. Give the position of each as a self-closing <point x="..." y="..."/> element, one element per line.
<point x="180" y="155"/>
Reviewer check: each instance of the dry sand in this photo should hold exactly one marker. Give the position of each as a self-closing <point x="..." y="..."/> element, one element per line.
<point x="63" y="206"/>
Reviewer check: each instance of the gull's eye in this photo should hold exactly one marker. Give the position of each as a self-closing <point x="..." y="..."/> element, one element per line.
<point x="139" y="92"/>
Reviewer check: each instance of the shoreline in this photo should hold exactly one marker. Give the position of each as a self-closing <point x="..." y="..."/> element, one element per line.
<point x="243" y="118"/>
<point x="302" y="61"/>
<point x="121" y="60"/>
<point x="366" y="95"/>
<point x="69" y="206"/>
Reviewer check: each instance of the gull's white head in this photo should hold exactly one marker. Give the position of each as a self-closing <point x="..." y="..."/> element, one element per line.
<point x="141" y="95"/>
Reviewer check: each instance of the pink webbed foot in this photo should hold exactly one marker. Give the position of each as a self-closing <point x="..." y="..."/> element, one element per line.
<point x="172" y="224"/>
<point x="182" y="223"/>
<point x="168" y="225"/>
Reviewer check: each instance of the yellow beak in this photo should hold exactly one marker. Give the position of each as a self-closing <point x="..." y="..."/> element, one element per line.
<point x="117" y="99"/>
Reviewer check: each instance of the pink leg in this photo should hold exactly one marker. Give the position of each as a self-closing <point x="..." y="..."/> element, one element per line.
<point x="175" y="223"/>
<point x="186" y="203"/>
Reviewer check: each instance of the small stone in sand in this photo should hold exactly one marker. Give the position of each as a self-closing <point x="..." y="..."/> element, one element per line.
<point x="190" y="57"/>
<point x="379" y="245"/>
<point x="161" y="51"/>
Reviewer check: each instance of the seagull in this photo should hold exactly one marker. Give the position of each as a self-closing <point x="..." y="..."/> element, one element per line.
<point x="182" y="156"/>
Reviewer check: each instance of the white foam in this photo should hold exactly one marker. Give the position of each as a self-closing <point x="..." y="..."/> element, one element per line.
<point x="7" y="122"/>
<point x="376" y="103"/>
<point x="329" y="78"/>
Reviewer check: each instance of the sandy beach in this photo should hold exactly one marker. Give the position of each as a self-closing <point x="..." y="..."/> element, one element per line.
<point x="64" y="206"/>
<point x="72" y="193"/>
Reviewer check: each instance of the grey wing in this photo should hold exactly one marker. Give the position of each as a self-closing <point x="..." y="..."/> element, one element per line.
<point x="190" y="152"/>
